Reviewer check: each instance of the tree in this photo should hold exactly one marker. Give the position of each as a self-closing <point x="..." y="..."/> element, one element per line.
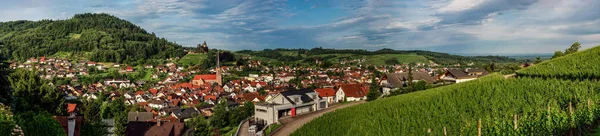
<point x="410" y="74"/>
<point x="199" y="125"/>
<point x="7" y="123"/>
<point x="373" y="93"/>
<point x="92" y="120"/>
<point x="537" y="60"/>
<point x="574" y="48"/>
<point x="34" y="94"/>
<point x="392" y="61"/>
<point x="558" y="54"/>
<point x="39" y="123"/>
<point x="120" y="116"/>
<point x="420" y="85"/>
<point x="220" y="115"/>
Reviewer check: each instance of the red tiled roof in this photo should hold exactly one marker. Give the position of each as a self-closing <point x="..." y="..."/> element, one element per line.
<point x="153" y="91"/>
<point x="325" y="92"/>
<point x="71" y="107"/>
<point x="205" y="77"/>
<point x="354" y="90"/>
<point x="210" y="97"/>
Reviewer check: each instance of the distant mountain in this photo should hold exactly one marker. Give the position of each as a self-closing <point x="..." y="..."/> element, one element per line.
<point x="97" y="37"/>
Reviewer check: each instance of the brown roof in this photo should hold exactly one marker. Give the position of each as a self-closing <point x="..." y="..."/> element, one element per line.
<point x="325" y="92"/>
<point x="64" y="123"/>
<point x="166" y="129"/>
<point x="354" y="90"/>
<point x="396" y="79"/>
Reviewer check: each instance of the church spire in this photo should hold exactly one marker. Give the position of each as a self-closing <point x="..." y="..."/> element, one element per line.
<point x="219" y="78"/>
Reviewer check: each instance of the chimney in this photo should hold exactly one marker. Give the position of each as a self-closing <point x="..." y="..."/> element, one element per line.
<point x="158" y="122"/>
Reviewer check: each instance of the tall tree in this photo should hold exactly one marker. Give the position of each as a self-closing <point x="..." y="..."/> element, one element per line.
<point x="39" y="123"/>
<point x="34" y="94"/>
<point x="373" y="93"/>
<point x="92" y="120"/>
<point x="120" y="116"/>
<point x="574" y="48"/>
<point x="199" y="125"/>
<point x="7" y="123"/>
<point x="220" y="115"/>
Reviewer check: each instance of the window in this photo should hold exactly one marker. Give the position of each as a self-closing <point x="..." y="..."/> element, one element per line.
<point x="296" y="99"/>
<point x="261" y="110"/>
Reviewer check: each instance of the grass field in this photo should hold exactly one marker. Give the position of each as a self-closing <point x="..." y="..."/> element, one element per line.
<point x="193" y="59"/>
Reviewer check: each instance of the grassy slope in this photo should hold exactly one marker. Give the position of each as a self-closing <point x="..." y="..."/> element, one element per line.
<point x="193" y="59"/>
<point x="576" y="65"/>
<point x="457" y="107"/>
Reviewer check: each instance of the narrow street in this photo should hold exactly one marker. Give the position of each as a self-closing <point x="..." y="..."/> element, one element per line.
<point x="244" y="129"/>
<point x="290" y="124"/>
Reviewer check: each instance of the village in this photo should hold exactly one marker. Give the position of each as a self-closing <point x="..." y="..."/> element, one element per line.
<point x="172" y="100"/>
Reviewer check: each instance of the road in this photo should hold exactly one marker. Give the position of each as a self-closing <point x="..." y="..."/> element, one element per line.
<point x="292" y="123"/>
<point x="244" y="129"/>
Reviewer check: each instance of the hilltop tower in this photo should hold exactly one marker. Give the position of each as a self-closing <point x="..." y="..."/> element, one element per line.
<point x="219" y="78"/>
<point x="202" y="48"/>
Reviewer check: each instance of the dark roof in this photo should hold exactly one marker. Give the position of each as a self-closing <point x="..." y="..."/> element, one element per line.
<point x="185" y="113"/>
<point x="166" y="129"/>
<point x="302" y="92"/>
<point x="396" y="79"/>
<point x="138" y="128"/>
<point x="459" y="74"/>
<point x="140" y="116"/>
<point x="206" y="106"/>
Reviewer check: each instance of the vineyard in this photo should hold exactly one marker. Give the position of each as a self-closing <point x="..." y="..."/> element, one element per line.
<point x="515" y="106"/>
<point x="580" y="65"/>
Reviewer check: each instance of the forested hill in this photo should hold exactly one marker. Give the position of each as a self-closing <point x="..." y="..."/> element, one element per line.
<point x="97" y="37"/>
<point x="322" y="53"/>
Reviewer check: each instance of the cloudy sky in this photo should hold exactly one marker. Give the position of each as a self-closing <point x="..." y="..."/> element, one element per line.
<point x="453" y="26"/>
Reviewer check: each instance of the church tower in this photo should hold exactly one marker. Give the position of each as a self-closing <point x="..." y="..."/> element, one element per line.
<point x="219" y="78"/>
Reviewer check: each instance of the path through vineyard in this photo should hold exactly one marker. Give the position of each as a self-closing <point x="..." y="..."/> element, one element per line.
<point x="291" y="124"/>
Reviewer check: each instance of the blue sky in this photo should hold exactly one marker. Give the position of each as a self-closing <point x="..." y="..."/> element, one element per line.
<point x="453" y="26"/>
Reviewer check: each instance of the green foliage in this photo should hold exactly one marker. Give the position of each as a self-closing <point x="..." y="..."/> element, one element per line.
<point x="573" y="66"/>
<point x="220" y="116"/>
<point x="105" y="37"/>
<point x="373" y="93"/>
<point x="193" y="59"/>
<point x="7" y="122"/>
<point x="92" y="120"/>
<point x="199" y="125"/>
<point x="271" y="129"/>
<point x="558" y="54"/>
<point x="541" y="104"/>
<point x="34" y="94"/>
<point x="120" y="116"/>
<point x="39" y="123"/>
<point x="574" y="48"/>
<point x="392" y="61"/>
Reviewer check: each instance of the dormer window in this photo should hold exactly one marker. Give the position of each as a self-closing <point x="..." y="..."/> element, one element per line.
<point x="296" y="99"/>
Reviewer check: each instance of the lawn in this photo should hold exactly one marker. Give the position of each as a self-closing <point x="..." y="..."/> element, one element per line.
<point x="193" y="59"/>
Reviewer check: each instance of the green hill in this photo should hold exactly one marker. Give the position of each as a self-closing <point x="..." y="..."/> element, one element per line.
<point x="371" y="57"/>
<point x="541" y="104"/>
<point x="97" y="37"/>
<point x="579" y="65"/>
